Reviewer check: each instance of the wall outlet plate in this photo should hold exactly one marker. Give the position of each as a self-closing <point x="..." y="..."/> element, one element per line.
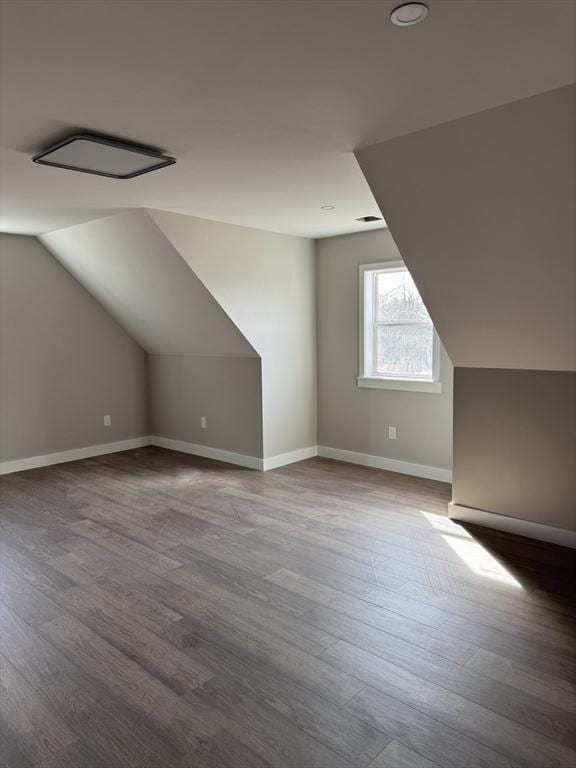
<point x="391" y="433"/>
<point x="107" y="421"/>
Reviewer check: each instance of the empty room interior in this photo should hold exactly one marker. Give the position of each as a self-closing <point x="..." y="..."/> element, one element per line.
<point x="288" y="384"/>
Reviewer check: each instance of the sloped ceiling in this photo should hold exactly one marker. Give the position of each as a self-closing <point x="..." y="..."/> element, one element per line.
<point x="482" y="210"/>
<point x="248" y="270"/>
<point x="130" y="267"/>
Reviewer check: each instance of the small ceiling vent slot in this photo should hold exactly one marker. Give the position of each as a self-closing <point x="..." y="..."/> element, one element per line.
<point x="90" y="153"/>
<point x="367" y="219"/>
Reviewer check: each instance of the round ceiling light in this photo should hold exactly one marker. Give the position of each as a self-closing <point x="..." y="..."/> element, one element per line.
<point x="327" y="207"/>
<point x="408" y="14"/>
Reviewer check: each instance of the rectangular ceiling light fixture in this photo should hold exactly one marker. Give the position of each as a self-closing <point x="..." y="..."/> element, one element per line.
<point x="90" y="153"/>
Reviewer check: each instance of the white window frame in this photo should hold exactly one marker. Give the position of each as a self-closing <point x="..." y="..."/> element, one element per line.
<point x="367" y="338"/>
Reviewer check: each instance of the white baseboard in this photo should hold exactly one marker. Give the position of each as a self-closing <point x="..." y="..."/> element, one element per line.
<point x="392" y="465"/>
<point x="34" y="462"/>
<point x="230" y="457"/>
<point x="515" y="525"/>
<point x="291" y="457"/>
<point x="207" y="452"/>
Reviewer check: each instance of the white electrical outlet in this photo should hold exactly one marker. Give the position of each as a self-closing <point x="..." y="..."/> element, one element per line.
<point x="391" y="433"/>
<point x="203" y="422"/>
<point x="108" y="421"/>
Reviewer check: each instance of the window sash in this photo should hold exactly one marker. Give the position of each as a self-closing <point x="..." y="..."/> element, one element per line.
<point x="369" y="325"/>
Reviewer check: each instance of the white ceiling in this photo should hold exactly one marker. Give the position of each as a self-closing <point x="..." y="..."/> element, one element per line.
<point x="261" y="102"/>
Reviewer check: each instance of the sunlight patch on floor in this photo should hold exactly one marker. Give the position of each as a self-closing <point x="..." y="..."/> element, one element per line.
<point x="443" y="523"/>
<point x="472" y="553"/>
<point x="479" y="560"/>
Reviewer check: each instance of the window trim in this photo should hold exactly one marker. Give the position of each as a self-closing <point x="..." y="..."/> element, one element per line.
<point x="365" y="351"/>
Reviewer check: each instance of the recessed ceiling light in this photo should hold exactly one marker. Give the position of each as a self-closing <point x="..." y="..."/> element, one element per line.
<point x="327" y="207"/>
<point x="408" y="14"/>
<point x="102" y="156"/>
<point x="368" y="219"/>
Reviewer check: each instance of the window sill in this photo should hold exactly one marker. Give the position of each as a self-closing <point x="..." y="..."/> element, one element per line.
<point x="407" y="385"/>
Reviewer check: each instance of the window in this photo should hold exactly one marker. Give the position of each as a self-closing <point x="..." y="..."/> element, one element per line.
<point x="398" y="345"/>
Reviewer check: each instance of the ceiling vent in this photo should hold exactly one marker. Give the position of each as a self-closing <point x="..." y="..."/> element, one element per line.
<point x="367" y="219"/>
<point x="90" y="153"/>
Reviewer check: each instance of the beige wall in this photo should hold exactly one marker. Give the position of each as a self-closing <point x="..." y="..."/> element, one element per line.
<point x="266" y="284"/>
<point x="515" y="443"/>
<point x="356" y="419"/>
<point x="226" y="391"/>
<point x="482" y="210"/>
<point x="64" y="362"/>
<point x="187" y="286"/>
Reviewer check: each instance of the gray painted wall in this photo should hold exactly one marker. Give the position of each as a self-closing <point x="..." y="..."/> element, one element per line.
<point x="356" y="419"/>
<point x="187" y="286"/>
<point x="482" y="209"/>
<point x="225" y="390"/>
<point x="65" y="362"/>
<point x="515" y="443"/>
<point x="265" y="282"/>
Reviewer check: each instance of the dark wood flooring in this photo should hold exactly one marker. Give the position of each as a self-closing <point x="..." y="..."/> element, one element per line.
<point x="167" y="611"/>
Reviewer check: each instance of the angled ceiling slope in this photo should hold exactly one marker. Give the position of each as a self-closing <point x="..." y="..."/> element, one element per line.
<point x="130" y="267"/>
<point x="482" y="210"/>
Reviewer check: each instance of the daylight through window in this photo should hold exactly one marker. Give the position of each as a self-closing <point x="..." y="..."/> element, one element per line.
<point x="398" y="339"/>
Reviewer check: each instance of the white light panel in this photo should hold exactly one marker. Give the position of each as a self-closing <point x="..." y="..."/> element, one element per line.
<point x="104" y="157"/>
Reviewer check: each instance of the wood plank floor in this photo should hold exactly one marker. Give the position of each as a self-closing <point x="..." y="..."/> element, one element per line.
<point x="160" y="610"/>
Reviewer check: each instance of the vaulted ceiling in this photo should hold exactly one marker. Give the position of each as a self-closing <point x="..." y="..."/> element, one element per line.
<point x="262" y="103"/>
